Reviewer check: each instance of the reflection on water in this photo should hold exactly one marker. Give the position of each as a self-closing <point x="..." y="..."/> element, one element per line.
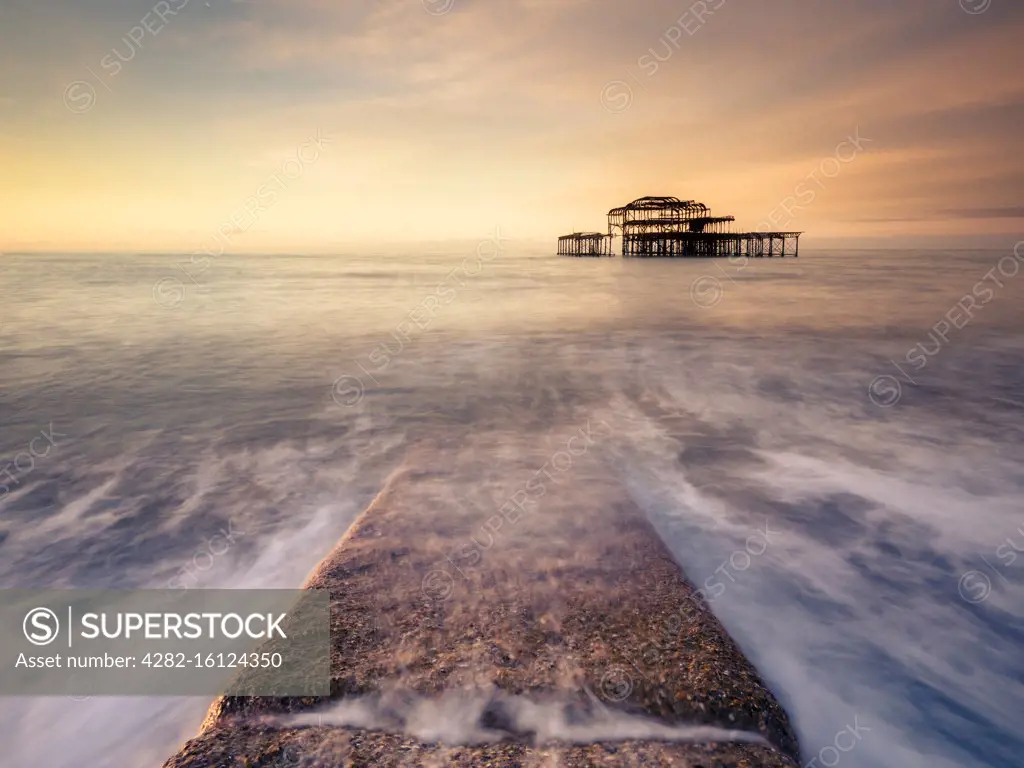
<point x="889" y="595"/>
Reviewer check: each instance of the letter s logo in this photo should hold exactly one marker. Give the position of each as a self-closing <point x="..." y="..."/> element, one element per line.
<point x="41" y="626"/>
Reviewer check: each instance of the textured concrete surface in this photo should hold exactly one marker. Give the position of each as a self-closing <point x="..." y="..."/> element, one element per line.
<point x="536" y="621"/>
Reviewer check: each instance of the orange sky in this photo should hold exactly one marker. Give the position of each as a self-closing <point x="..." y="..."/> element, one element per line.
<point x="445" y="118"/>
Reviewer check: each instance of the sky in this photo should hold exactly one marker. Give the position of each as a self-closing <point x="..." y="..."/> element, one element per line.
<point x="313" y="124"/>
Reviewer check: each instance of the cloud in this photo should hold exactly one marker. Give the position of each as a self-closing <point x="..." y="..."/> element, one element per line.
<point x="432" y="108"/>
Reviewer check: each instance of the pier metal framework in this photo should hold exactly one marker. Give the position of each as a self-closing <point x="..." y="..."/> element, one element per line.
<point x="585" y="244"/>
<point x="674" y="228"/>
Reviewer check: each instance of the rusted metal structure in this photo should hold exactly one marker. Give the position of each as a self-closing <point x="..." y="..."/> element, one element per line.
<point x="585" y="244"/>
<point x="674" y="228"/>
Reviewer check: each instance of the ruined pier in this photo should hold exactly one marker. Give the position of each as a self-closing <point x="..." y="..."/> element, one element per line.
<point x="667" y="227"/>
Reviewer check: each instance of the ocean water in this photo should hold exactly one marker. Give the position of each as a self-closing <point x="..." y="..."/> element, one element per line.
<point x="830" y="446"/>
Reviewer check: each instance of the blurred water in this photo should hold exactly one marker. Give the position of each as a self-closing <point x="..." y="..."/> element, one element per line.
<point x="226" y="426"/>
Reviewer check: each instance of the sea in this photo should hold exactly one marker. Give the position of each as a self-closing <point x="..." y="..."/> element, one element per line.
<point x="857" y="414"/>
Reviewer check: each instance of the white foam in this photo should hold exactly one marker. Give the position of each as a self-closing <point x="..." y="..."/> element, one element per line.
<point x="458" y="718"/>
<point x="842" y="632"/>
<point x="112" y="732"/>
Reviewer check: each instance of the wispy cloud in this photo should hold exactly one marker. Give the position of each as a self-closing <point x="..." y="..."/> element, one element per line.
<point x="494" y="109"/>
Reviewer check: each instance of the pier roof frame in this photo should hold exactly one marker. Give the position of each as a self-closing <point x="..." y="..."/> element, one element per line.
<point x="662" y="203"/>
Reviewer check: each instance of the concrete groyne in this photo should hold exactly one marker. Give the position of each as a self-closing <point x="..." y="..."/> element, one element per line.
<point x="515" y="629"/>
